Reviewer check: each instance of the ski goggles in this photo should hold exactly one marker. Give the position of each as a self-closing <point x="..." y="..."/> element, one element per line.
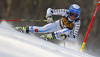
<point x="72" y="14"/>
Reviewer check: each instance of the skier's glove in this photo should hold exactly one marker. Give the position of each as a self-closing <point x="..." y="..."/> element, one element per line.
<point x="49" y="18"/>
<point x="72" y="38"/>
<point x="63" y="36"/>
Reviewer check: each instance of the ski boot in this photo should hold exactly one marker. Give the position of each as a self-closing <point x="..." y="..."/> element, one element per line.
<point x="52" y="36"/>
<point x="48" y="36"/>
<point x="22" y="29"/>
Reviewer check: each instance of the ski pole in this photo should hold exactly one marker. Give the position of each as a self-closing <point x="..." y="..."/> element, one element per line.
<point x="23" y="20"/>
<point x="11" y="20"/>
<point x="83" y="45"/>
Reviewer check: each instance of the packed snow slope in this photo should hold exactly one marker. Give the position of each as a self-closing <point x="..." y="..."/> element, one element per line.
<point x="16" y="44"/>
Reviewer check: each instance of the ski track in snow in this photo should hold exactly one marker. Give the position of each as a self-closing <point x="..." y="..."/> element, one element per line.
<point x="16" y="44"/>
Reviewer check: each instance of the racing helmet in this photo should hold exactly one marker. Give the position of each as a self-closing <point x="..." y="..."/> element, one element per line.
<point x="74" y="10"/>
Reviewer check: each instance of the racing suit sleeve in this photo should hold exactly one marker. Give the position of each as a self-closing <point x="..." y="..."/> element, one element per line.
<point x="51" y="12"/>
<point x="61" y="12"/>
<point x="75" y="31"/>
<point x="76" y="28"/>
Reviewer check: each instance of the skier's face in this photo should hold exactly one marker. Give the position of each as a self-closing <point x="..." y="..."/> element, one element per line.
<point x="72" y="15"/>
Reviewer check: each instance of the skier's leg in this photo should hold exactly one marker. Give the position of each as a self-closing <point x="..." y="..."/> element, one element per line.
<point x="60" y="34"/>
<point x="51" y="27"/>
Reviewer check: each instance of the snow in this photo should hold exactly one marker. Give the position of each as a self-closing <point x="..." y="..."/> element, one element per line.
<point x="16" y="44"/>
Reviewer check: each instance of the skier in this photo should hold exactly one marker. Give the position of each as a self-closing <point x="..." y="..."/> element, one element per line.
<point x="67" y="27"/>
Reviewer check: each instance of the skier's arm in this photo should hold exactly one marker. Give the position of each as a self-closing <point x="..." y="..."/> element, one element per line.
<point x="62" y="34"/>
<point x="51" y="12"/>
<point x="49" y="15"/>
<point x="61" y="12"/>
<point x="76" y="28"/>
<point x="70" y="34"/>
